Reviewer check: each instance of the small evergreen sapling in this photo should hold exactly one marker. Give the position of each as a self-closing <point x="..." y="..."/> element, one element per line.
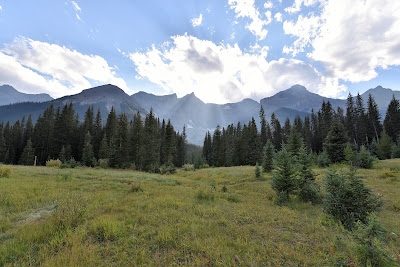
<point x="257" y="171"/>
<point x="349" y="154"/>
<point x="364" y="159"/>
<point x="284" y="179"/>
<point x="308" y="189"/>
<point x="268" y="156"/>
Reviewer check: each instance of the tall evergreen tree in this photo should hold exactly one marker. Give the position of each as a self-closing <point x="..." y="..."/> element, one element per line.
<point x="336" y="141"/>
<point x="28" y="155"/>
<point x="87" y="153"/>
<point x="374" y="119"/>
<point x="295" y="142"/>
<point x="218" y="153"/>
<point x="308" y="190"/>
<point x="135" y="140"/>
<point x="103" y="151"/>
<point x="150" y="147"/>
<point x="392" y="119"/>
<point x="384" y="149"/>
<point x="276" y="132"/>
<point x="97" y="134"/>
<point x="264" y="127"/>
<point x="111" y="125"/>
<point x="268" y="156"/>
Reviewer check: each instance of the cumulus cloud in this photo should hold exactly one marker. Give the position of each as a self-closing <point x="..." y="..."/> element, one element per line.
<point x="1" y="8"/>
<point x="247" y="9"/>
<point x="350" y="39"/>
<point x="221" y="73"/>
<point x="34" y="66"/>
<point x="278" y="17"/>
<point x="305" y="29"/>
<point x="296" y="7"/>
<point x="268" y="5"/>
<point x="197" y="21"/>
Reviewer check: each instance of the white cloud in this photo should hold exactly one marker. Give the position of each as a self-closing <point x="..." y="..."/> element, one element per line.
<point x="197" y="21"/>
<point x="278" y="17"/>
<point x="76" y="6"/>
<point x="351" y="39"/>
<point x="1" y="8"/>
<point x="296" y="7"/>
<point x="34" y="66"/>
<point x="246" y="9"/>
<point x="224" y="73"/>
<point x="268" y="5"/>
<point x="305" y="29"/>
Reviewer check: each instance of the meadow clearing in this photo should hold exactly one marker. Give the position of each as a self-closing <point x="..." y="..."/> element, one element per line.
<point x="214" y="216"/>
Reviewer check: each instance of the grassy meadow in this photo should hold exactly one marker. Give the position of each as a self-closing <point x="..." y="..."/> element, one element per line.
<point x="214" y="216"/>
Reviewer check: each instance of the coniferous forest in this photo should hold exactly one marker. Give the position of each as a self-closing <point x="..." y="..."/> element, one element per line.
<point x="327" y="133"/>
<point x="145" y="143"/>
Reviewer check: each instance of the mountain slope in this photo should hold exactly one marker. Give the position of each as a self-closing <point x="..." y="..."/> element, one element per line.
<point x="9" y="95"/>
<point x="102" y="97"/>
<point x="298" y="98"/>
<point x="382" y="97"/>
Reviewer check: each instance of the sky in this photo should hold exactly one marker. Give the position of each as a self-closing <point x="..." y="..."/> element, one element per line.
<point x="222" y="50"/>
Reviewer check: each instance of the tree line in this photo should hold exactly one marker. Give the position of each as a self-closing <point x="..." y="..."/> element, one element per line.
<point x="142" y="143"/>
<point x="326" y="132"/>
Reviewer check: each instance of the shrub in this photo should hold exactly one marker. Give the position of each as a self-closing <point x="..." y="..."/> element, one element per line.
<point x="5" y="172"/>
<point x="73" y="163"/>
<point x="199" y="161"/>
<point x="103" y="163"/>
<point x="106" y="229"/>
<point x="204" y="195"/>
<point x="135" y="187"/>
<point x="205" y="166"/>
<point x="349" y="154"/>
<point x="188" y="167"/>
<point x="257" y="171"/>
<point x="369" y="249"/>
<point x="224" y="189"/>
<point x="323" y="159"/>
<point x="348" y="199"/>
<point x="53" y="163"/>
<point x="364" y="159"/>
<point x="69" y="212"/>
<point x="167" y="168"/>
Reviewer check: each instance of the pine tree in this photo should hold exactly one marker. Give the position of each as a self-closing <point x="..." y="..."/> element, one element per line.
<point x="150" y="147"/>
<point x="103" y="151"/>
<point x="349" y="154"/>
<point x="392" y="119"/>
<point x="384" y="150"/>
<point x="2" y="145"/>
<point x="87" y="153"/>
<point x="264" y="127"/>
<point x="364" y="158"/>
<point x="374" y="119"/>
<point x="294" y="142"/>
<point x="308" y="190"/>
<point x="218" y="153"/>
<point x="396" y="151"/>
<point x="28" y="155"/>
<point x="97" y="134"/>
<point x="135" y="140"/>
<point x="111" y="125"/>
<point x="276" y="132"/>
<point x="284" y="175"/>
<point x="268" y="156"/>
<point x="62" y="156"/>
<point x="121" y="139"/>
<point x="286" y="130"/>
<point x="336" y="141"/>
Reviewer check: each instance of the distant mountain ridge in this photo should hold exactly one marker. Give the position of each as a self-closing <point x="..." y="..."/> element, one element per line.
<point x="190" y="111"/>
<point x="9" y="95"/>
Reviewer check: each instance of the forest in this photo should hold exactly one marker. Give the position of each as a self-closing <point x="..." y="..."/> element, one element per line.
<point x="327" y="133"/>
<point x="59" y="137"/>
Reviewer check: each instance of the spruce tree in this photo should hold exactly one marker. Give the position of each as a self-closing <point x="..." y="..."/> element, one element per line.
<point x="135" y="140"/>
<point x="97" y="134"/>
<point x="384" y="150"/>
<point x="396" y="151"/>
<point x="374" y="119"/>
<point x="268" y="156"/>
<point x="62" y="156"/>
<point x="150" y="147"/>
<point x="308" y="190"/>
<point x="349" y="154"/>
<point x="2" y="145"/>
<point x="364" y="158"/>
<point x="28" y="155"/>
<point x="294" y="141"/>
<point x="336" y="141"/>
<point x="103" y="151"/>
<point x="284" y="175"/>
<point x="276" y="132"/>
<point x="286" y="130"/>
<point x="264" y="127"/>
<point x="392" y="119"/>
<point x="218" y="153"/>
<point x="257" y="171"/>
<point x="87" y="153"/>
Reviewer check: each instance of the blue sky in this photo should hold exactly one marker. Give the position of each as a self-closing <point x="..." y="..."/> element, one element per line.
<point x="223" y="50"/>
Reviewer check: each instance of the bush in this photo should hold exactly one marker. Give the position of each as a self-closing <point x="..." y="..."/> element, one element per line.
<point x="206" y="196"/>
<point x="199" y="161"/>
<point x="106" y="229"/>
<point x="323" y="159"/>
<point x="69" y="212"/>
<point x="188" y="167"/>
<point x="168" y="168"/>
<point x="257" y="171"/>
<point x="5" y="172"/>
<point x="349" y="154"/>
<point x="103" y="163"/>
<point x="364" y="159"/>
<point x="348" y="199"/>
<point x="53" y="163"/>
<point x="73" y="163"/>
<point x="135" y="187"/>
<point x="369" y="249"/>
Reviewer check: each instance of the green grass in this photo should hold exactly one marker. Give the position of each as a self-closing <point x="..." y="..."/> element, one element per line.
<point x="88" y="217"/>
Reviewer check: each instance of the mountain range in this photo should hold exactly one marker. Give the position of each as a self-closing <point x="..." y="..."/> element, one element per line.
<point x="197" y="116"/>
<point x="8" y="95"/>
